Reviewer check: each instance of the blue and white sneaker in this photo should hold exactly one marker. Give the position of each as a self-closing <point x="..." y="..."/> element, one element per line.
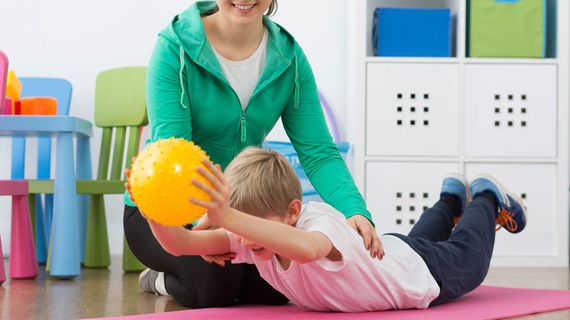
<point x="511" y="209"/>
<point x="457" y="185"/>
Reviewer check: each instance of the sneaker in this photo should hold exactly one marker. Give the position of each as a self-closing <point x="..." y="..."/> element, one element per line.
<point x="511" y="209"/>
<point x="457" y="185"/>
<point x="153" y="282"/>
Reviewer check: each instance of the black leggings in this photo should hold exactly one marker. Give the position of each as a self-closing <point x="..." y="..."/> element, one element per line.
<point x="193" y="282"/>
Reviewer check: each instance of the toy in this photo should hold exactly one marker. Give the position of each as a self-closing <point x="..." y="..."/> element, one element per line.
<point x="38" y="106"/>
<point x="13" y="88"/>
<point x="161" y="181"/>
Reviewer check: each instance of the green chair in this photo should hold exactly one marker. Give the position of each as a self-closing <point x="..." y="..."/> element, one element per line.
<point x="120" y="104"/>
<point x="120" y="109"/>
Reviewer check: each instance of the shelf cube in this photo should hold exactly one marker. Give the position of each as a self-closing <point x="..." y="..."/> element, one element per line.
<point x="397" y="193"/>
<point x="410" y="32"/>
<point x="507" y="28"/>
<point x="536" y="185"/>
<point x="511" y="111"/>
<point x="411" y="109"/>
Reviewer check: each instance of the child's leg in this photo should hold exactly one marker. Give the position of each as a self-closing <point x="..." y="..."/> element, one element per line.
<point x="436" y="223"/>
<point x="463" y="260"/>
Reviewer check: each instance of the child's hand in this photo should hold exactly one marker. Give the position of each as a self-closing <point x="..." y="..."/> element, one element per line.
<point x="219" y="192"/>
<point x="219" y="259"/>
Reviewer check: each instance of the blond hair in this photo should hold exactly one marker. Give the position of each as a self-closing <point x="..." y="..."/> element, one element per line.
<point x="262" y="182"/>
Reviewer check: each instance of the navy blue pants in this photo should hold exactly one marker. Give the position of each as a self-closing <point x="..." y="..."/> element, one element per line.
<point x="457" y="258"/>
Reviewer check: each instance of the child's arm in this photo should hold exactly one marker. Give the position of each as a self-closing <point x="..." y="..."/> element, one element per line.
<point x="287" y="241"/>
<point x="179" y="241"/>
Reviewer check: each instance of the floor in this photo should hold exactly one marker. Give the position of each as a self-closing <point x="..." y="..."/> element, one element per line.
<point x="110" y="292"/>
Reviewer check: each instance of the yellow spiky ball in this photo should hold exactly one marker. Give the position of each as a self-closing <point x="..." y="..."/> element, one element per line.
<point x="161" y="181"/>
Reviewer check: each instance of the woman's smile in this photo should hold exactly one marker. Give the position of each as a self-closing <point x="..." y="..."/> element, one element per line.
<point x="244" y="8"/>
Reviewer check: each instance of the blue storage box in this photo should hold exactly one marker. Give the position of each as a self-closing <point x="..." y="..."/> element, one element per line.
<point x="411" y="32"/>
<point x="287" y="150"/>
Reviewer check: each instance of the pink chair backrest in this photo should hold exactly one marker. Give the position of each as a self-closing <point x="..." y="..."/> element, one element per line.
<point x="3" y="77"/>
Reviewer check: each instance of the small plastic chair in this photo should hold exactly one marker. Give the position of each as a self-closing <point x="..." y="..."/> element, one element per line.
<point x="120" y="105"/>
<point x="61" y="90"/>
<point x="23" y="262"/>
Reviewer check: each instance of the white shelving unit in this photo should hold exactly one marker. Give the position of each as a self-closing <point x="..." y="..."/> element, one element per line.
<point x="414" y="119"/>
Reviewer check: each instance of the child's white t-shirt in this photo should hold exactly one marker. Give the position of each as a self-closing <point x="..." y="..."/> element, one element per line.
<point x="401" y="280"/>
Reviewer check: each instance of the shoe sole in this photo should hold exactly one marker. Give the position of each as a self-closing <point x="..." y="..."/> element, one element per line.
<point x="465" y="182"/>
<point x="143" y="273"/>
<point x="504" y="191"/>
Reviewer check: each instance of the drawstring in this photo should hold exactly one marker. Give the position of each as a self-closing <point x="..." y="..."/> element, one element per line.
<point x="180" y="78"/>
<point x="296" y="89"/>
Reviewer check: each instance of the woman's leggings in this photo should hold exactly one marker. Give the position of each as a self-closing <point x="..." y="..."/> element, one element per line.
<point x="193" y="282"/>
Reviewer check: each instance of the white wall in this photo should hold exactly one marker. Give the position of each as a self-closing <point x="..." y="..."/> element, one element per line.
<point x="77" y="39"/>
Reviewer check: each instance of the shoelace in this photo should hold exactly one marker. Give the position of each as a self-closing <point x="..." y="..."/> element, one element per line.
<point x="505" y="219"/>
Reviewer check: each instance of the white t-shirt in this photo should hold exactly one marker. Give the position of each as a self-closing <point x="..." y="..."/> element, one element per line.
<point x="244" y="74"/>
<point x="401" y="280"/>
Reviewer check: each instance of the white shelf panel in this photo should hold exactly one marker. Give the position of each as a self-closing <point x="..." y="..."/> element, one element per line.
<point x="411" y="60"/>
<point x="462" y="159"/>
<point x="548" y="61"/>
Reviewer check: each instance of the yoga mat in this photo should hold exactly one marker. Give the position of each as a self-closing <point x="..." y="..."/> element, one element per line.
<point x="485" y="302"/>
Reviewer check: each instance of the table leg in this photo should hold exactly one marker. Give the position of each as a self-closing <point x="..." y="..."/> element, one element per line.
<point x="84" y="172"/>
<point x="64" y="259"/>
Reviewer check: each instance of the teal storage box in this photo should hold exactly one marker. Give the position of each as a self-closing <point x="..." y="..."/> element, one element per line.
<point x="507" y="28"/>
<point x="412" y="32"/>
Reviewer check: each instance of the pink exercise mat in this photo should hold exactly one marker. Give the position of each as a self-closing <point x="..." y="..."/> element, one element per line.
<point x="484" y="303"/>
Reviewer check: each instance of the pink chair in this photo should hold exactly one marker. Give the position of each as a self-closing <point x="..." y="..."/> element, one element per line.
<point x="23" y="261"/>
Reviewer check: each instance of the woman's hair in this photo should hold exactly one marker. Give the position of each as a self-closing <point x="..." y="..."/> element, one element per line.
<point x="272" y="8"/>
<point x="270" y="11"/>
<point x="262" y="182"/>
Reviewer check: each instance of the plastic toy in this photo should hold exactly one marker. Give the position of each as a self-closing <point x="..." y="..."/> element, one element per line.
<point x="161" y="181"/>
<point x="13" y="88"/>
<point x="38" y="106"/>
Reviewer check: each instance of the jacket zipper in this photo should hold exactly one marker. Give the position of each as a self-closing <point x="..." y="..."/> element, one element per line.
<point x="243" y="128"/>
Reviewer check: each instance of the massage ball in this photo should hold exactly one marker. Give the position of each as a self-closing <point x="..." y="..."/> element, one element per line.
<point x="161" y="181"/>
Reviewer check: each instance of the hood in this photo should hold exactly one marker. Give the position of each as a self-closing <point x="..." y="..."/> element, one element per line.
<point x="187" y="31"/>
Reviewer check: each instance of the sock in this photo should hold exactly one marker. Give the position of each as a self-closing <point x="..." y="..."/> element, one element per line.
<point x="490" y="197"/>
<point x="160" y="285"/>
<point x="453" y="201"/>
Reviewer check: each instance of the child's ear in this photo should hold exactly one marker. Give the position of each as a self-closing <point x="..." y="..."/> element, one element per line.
<point x="293" y="211"/>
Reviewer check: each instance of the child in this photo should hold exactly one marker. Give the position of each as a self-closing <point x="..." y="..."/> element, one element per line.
<point x="312" y="256"/>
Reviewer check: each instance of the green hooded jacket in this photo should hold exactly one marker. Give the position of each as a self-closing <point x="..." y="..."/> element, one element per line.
<point x="189" y="97"/>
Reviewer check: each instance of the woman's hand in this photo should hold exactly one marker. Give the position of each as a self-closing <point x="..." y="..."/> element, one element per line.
<point x="218" y="206"/>
<point x="127" y="184"/>
<point x="371" y="240"/>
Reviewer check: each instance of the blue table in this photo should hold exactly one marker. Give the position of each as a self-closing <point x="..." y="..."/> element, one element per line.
<point x="69" y="214"/>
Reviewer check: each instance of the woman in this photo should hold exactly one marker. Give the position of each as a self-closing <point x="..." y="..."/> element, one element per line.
<point x="221" y="75"/>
